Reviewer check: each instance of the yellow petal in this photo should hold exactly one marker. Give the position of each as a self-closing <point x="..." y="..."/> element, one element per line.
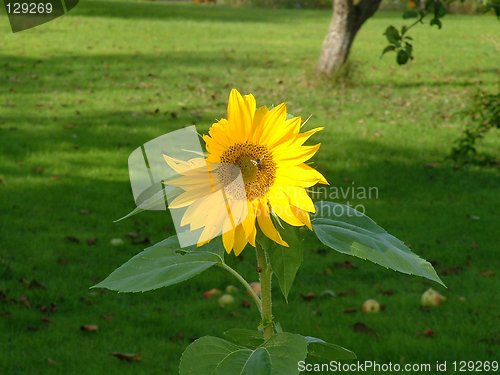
<point x="213" y="146"/>
<point x="249" y="221"/>
<point x="251" y="238"/>
<point x="181" y="166"/>
<point x="303" y="137"/>
<point x="281" y="207"/>
<point x="288" y="134"/>
<point x="195" y="179"/>
<point x="273" y="121"/>
<point x="299" y="175"/>
<point x="238" y="211"/>
<point x="200" y="244"/>
<point x="298" y="197"/>
<point x="239" y="116"/>
<point x="219" y="133"/>
<point x="240" y="240"/>
<point x="287" y="158"/>
<point x="228" y="240"/>
<point x="303" y="216"/>
<point x="188" y="197"/>
<point x="214" y="223"/>
<point x="250" y="99"/>
<point x="267" y="226"/>
<point x="244" y="232"/>
<point x="258" y="117"/>
<point x="200" y="213"/>
<point x="293" y="124"/>
<point x="293" y="141"/>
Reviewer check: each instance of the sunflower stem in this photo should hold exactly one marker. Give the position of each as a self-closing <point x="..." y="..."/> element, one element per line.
<point x="247" y="286"/>
<point x="265" y="274"/>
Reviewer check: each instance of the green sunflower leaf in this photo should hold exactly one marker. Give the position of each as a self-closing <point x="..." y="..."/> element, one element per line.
<point x="286" y="351"/>
<point x="245" y="362"/>
<point x="285" y="261"/>
<point x="213" y="355"/>
<point x="162" y="265"/>
<point x="245" y="337"/>
<point x="348" y="231"/>
<point x="324" y="350"/>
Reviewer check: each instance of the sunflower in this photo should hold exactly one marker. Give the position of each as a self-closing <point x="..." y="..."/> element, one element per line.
<point x="254" y="170"/>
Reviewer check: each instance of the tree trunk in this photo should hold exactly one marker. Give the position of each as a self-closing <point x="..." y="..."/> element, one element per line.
<point x="346" y="21"/>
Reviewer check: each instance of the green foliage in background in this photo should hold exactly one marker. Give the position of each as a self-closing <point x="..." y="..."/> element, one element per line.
<point x="433" y="10"/>
<point x="482" y="116"/>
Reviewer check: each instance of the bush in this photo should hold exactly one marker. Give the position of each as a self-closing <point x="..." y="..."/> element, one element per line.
<point x="483" y="115"/>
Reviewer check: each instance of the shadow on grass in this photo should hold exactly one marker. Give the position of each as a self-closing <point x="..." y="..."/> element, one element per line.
<point x="430" y="203"/>
<point x="63" y="73"/>
<point x="438" y="83"/>
<point x="110" y="131"/>
<point x="167" y="10"/>
<point x="185" y="11"/>
<point x="422" y="198"/>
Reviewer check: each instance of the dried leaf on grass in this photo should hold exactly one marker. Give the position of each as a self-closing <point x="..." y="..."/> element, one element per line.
<point x="363" y="328"/>
<point x="89" y="328"/>
<point x="129" y="357"/>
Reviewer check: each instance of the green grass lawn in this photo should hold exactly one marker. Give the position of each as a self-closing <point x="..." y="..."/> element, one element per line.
<point x="78" y="94"/>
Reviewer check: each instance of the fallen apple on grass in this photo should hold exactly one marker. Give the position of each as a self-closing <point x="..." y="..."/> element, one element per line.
<point x="231" y="289"/>
<point x="431" y="298"/>
<point x="211" y="293"/>
<point x="116" y="242"/>
<point x="256" y="287"/>
<point x="225" y="300"/>
<point x="370" y="306"/>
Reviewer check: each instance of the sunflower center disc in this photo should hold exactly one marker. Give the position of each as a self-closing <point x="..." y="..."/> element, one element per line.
<point x="256" y="165"/>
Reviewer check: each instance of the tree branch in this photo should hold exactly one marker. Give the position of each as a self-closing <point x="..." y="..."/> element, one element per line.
<point x="364" y="10"/>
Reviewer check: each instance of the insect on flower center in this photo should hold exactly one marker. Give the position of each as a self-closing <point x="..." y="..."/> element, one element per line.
<point x="248" y="167"/>
<point x="256" y="165"/>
